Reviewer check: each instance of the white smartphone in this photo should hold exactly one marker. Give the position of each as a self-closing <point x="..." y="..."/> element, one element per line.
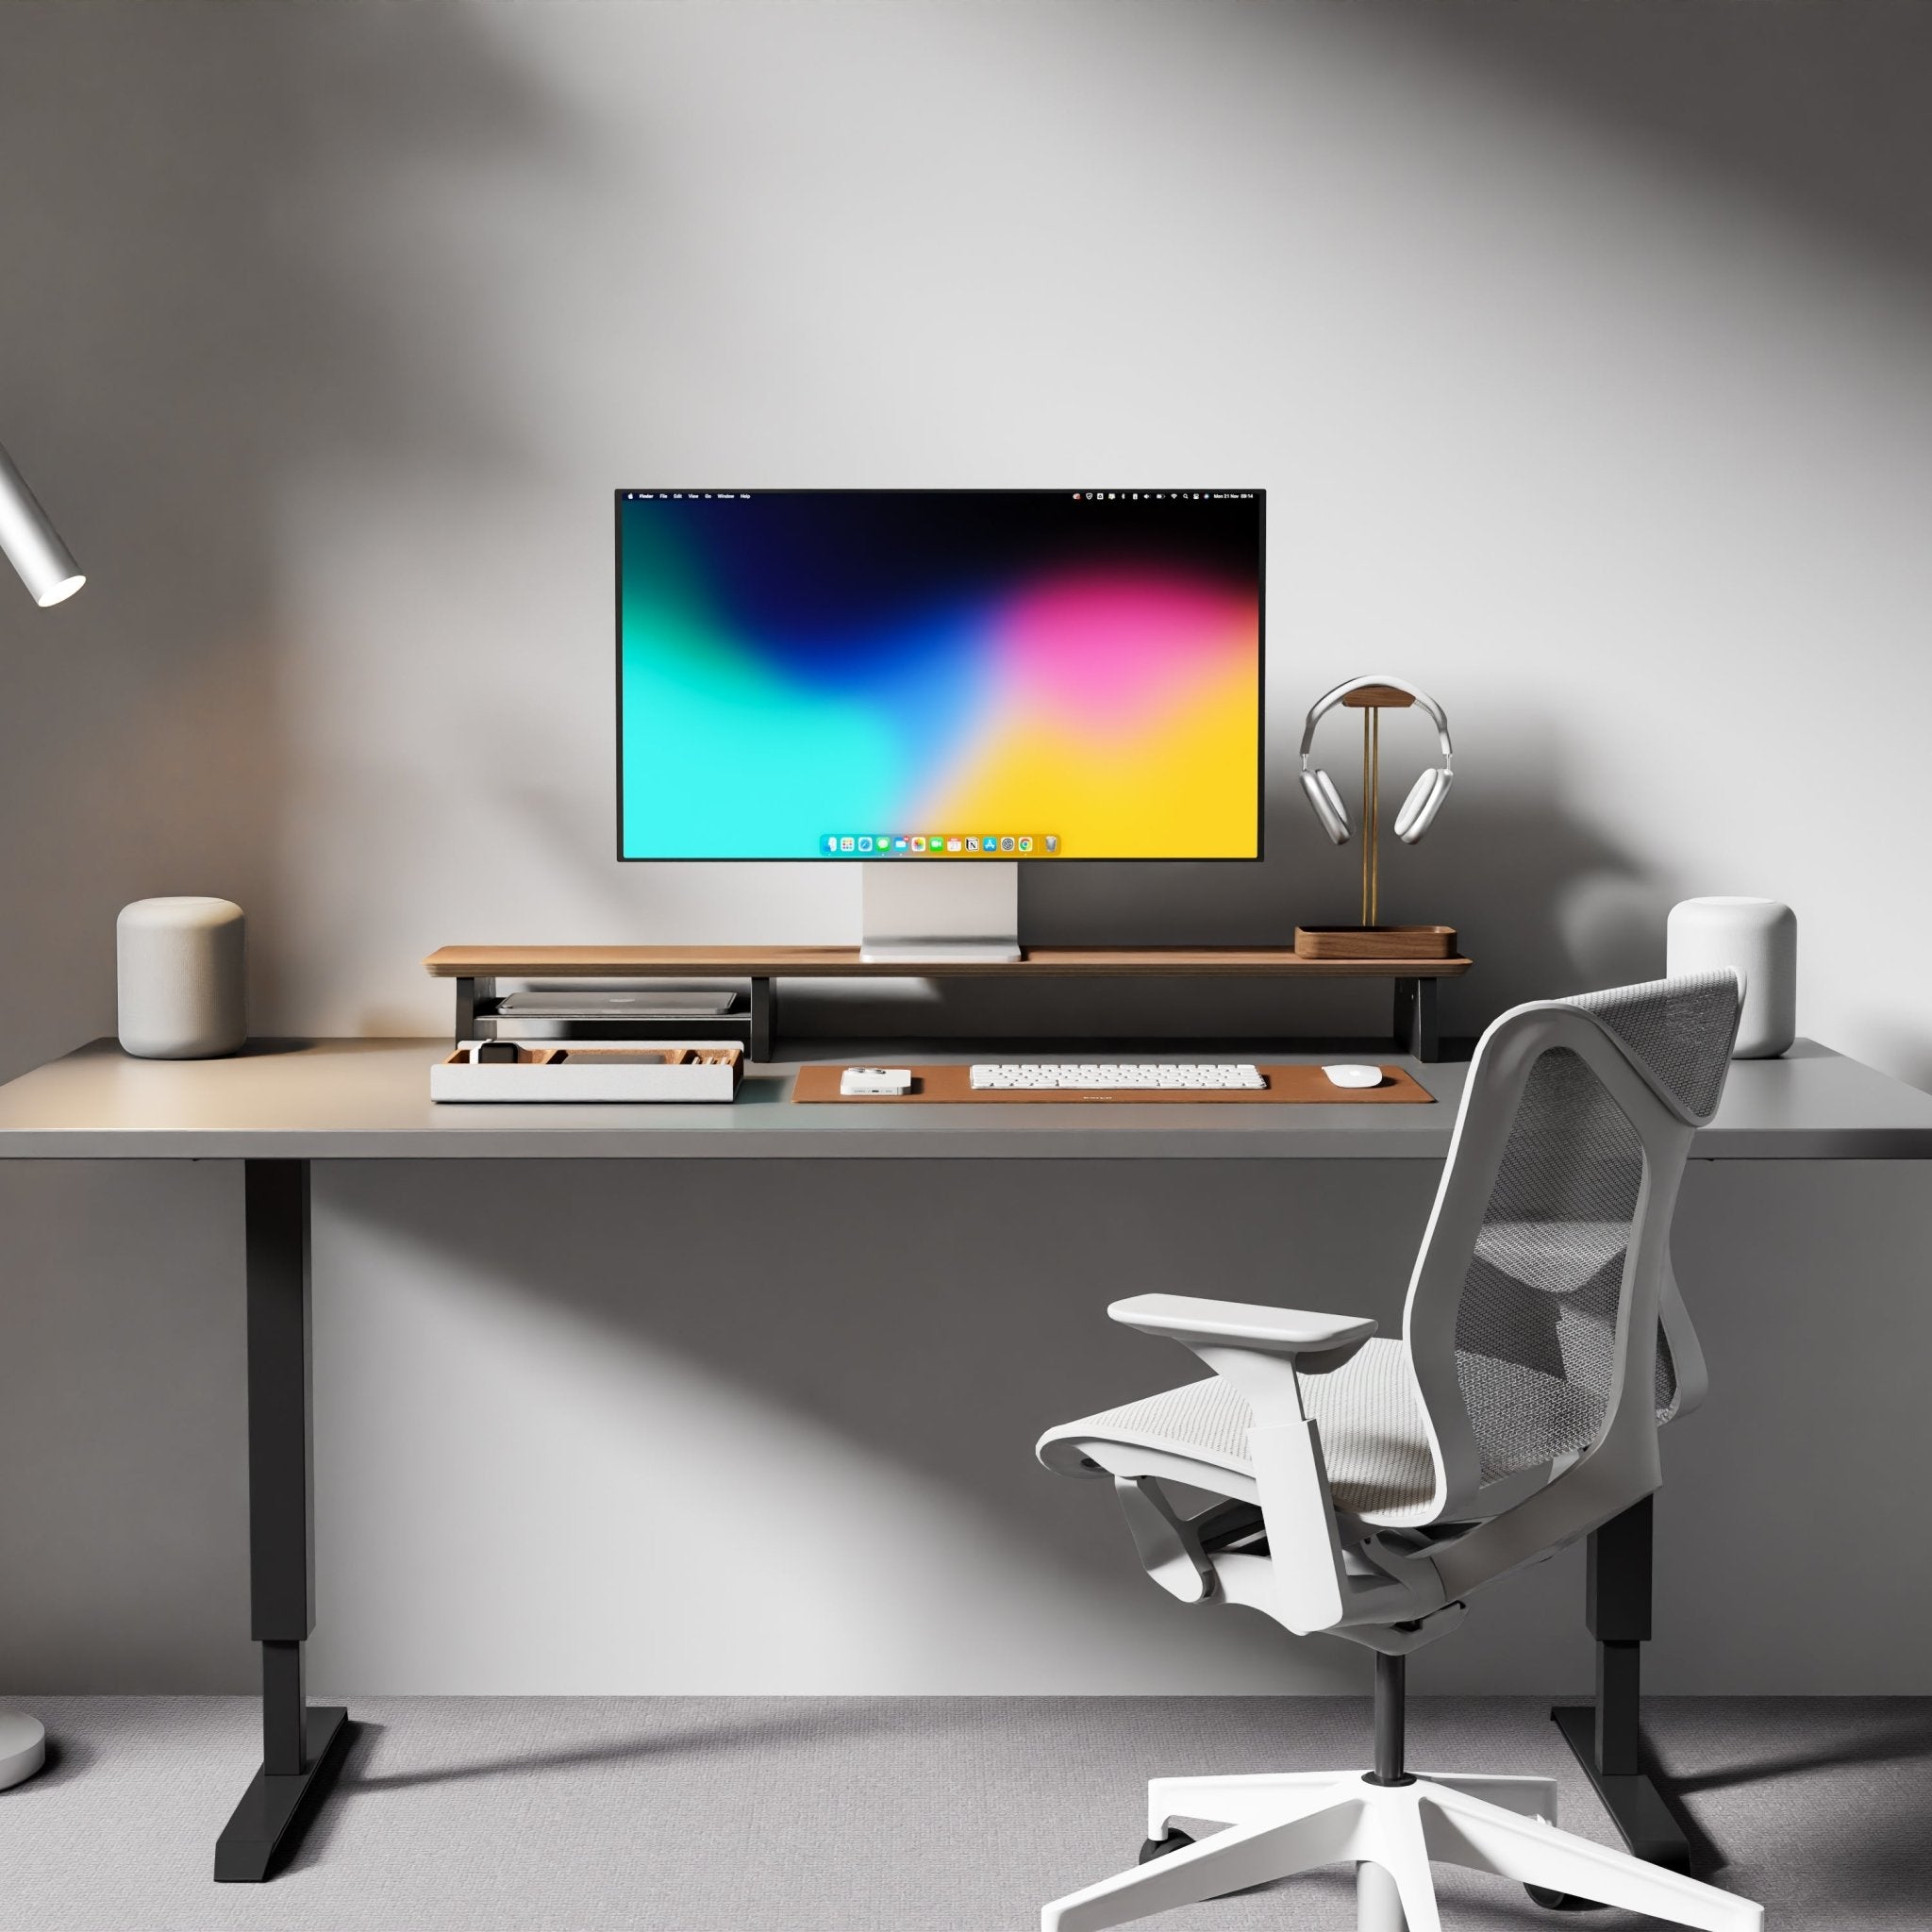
<point x="875" y="1080"/>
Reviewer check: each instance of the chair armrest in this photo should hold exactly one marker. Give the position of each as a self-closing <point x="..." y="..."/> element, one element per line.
<point x="1263" y="1351"/>
<point x="1298" y="1333"/>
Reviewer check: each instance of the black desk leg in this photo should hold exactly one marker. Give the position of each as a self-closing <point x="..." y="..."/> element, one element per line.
<point x="1606" y="1736"/>
<point x="1415" y="1019"/>
<point x="301" y="1746"/>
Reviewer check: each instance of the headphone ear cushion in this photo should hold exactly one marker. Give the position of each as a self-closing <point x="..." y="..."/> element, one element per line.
<point x="1327" y="806"/>
<point x="1420" y="808"/>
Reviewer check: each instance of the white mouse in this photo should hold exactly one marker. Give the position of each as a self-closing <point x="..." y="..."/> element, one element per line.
<point x="1349" y="1075"/>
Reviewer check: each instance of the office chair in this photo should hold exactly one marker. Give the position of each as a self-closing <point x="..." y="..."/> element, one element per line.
<point x="1367" y="1487"/>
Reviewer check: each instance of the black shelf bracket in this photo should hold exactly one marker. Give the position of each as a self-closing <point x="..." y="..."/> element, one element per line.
<point x="1415" y="1019"/>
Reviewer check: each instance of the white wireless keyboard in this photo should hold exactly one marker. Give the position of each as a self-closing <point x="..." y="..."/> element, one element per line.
<point x="1112" y="1076"/>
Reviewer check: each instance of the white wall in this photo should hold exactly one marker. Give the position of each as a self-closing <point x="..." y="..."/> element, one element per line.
<point x="1587" y="355"/>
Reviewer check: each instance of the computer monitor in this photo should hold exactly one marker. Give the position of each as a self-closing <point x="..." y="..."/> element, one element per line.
<point x="943" y="682"/>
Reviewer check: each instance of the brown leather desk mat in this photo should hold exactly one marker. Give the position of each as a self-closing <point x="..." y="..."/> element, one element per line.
<point x="1287" y="1085"/>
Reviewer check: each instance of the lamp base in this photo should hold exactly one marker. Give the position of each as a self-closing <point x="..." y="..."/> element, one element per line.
<point x="23" y="1747"/>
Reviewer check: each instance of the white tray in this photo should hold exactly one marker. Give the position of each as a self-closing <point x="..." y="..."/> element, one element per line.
<point x="675" y="1070"/>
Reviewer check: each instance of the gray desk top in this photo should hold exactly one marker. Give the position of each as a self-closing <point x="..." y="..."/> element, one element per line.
<point x="368" y="1100"/>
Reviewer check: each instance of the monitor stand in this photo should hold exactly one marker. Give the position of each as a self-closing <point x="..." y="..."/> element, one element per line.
<point x="940" y="911"/>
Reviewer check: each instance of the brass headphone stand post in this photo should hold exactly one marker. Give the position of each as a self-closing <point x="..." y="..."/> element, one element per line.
<point x="1372" y="700"/>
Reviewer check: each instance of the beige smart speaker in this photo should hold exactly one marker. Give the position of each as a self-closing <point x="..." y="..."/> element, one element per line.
<point x="181" y="978"/>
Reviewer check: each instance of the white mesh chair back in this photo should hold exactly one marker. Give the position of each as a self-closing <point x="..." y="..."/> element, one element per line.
<point x="1573" y="1132"/>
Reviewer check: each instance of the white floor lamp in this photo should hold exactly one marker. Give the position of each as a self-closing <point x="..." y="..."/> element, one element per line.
<point x="47" y="568"/>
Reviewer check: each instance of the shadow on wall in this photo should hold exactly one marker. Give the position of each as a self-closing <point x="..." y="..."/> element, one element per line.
<point x="186" y="328"/>
<point x="1508" y="862"/>
<point x="1763" y="97"/>
<point x="938" y="1316"/>
<point x="191" y="322"/>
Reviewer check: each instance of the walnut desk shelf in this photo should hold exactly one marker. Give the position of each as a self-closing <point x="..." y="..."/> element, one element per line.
<point x="476" y="971"/>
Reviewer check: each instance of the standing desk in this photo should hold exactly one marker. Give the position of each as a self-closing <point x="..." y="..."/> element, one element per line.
<point x="281" y="1105"/>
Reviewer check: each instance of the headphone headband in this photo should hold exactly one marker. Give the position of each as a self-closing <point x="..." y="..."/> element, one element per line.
<point x="1329" y="699"/>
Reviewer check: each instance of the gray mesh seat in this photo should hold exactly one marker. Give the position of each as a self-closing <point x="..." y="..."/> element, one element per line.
<point x="1375" y="1436"/>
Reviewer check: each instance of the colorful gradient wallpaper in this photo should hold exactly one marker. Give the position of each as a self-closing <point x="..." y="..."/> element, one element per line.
<point x="1020" y="673"/>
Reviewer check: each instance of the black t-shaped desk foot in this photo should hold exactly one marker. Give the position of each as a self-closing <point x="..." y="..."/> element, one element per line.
<point x="1606" y="1736"/>
<point x="269" y="1820"/>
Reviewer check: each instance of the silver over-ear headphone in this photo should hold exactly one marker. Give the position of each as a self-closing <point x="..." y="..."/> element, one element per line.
<point x="1425" y="796"/>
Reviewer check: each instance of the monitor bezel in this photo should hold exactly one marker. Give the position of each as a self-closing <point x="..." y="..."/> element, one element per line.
<point x="1256" y="857"/>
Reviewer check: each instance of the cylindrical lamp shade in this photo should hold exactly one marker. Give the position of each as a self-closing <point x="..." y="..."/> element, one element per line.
<point x="1757" y="938"/>
<point x="182" y="979"/>
<point x="33" y="547"/>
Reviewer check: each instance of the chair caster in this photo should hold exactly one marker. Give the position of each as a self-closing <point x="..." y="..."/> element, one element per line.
<point x="1560" y="1901"/>
<point x="1159" y="1847"/>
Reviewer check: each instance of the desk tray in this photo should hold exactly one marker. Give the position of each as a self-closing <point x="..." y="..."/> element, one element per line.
<point x="601" y="1070"/>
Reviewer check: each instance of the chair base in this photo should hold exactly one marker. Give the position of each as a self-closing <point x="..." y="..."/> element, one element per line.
<point x="1281" y="1824"/>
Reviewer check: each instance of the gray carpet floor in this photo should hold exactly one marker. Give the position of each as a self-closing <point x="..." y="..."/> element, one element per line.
<point x="901" y="1814"/>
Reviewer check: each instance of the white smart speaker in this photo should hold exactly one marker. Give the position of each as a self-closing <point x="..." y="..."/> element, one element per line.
<point x="1757" y="938"/>
<point x="181" y="974"/>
